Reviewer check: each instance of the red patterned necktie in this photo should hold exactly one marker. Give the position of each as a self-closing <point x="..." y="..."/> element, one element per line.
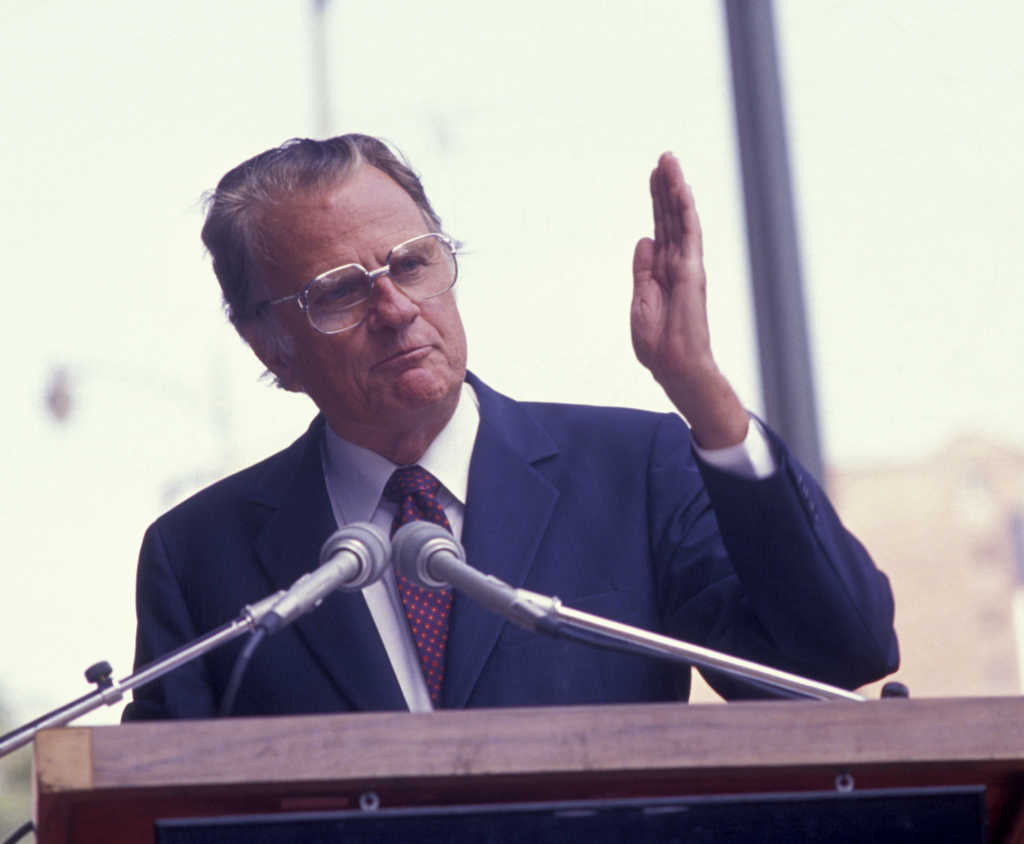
<point x="414" y="489"/>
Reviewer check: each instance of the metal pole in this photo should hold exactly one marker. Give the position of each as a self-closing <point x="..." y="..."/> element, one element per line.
<point x="786" y="373"/>
<point x="321" y="87"/>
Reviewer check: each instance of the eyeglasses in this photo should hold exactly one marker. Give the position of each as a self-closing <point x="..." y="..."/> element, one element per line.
<point x="422" y="267"/>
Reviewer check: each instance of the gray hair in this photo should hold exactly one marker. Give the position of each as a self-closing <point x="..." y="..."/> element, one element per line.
<point x="234" y="210"/>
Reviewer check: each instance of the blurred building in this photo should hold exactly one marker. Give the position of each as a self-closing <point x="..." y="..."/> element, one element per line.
<point x="946" y="530"/>
<point x="949" y="532"/>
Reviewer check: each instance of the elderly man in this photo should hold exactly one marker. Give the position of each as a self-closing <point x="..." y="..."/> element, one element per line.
<point x="335" y="270"/>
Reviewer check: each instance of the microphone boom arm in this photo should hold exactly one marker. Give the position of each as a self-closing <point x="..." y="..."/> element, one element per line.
<point x="429" y="556"/>
<point x="544" y="614"/>
<point x="352" y="557"/>
<point x="110" y="693"/>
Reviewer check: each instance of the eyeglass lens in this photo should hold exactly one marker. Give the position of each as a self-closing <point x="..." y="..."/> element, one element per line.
<point x="422" y="267"/>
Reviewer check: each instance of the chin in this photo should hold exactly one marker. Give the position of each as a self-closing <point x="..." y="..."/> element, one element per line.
<point x="418" y="388"/>
<point x="421" y="390"/>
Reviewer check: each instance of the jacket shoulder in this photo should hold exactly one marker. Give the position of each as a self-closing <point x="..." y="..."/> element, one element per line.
<point x="570" y="425"/>
<point x="262" y="483"/>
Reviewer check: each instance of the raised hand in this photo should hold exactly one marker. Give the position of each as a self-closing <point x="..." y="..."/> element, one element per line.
<point x="668" y="316"/>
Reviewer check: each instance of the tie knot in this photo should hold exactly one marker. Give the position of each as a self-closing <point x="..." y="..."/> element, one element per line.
<point x="414" y="490"/>
<point x="410" y="480"/>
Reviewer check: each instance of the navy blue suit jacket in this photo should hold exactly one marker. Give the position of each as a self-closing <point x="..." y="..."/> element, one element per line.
<point x="606" y="508"/>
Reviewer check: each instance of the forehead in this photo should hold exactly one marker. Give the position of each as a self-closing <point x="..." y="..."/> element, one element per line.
<point x="357" y="219"/>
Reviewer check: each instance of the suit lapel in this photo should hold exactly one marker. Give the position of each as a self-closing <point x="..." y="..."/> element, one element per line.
<point x="508" y="506"/>
<point x="340" y="632"/>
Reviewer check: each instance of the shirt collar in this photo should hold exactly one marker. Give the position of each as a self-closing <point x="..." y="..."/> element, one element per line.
<point x="356" y="476"/>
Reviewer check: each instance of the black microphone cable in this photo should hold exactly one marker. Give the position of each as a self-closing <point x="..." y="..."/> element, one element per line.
<point x="227" y="702"/>
<point x="20" y="832"/>
<point x="353" y="557"/>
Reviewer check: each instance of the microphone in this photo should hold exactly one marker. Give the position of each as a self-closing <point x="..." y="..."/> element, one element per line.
<point x="429" y="556"/>
<point x="353" y="557"/>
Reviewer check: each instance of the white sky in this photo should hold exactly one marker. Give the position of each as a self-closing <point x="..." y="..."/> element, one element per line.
<point x="534" y="128"/>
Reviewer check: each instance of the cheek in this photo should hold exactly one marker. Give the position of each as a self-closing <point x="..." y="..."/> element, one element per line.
<point x="449" y="325"/>
<point x="329" y="359"/>
<point x="457" y="345"/>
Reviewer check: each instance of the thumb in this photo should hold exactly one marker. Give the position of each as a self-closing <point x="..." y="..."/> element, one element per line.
<point x="643" y="260"/>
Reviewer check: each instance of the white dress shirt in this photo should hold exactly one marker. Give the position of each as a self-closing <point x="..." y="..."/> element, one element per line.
<point x="355" y="478"/>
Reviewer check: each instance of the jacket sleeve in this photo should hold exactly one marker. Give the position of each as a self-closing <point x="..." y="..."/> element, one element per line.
<point x="164" y="624"/>
<point x="765" y="570"/>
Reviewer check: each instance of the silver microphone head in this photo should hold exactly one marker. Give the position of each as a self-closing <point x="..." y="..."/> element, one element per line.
<point x="367" y="543"/>
<point x="414" y="544"/>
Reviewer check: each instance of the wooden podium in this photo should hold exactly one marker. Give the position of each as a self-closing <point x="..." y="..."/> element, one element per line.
<point x="109" y="784"/>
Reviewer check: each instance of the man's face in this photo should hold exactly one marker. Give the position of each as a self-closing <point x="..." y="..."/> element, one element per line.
<point x="403" y="366"/>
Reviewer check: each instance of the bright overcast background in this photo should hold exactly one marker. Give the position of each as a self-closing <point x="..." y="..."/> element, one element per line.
<point x="534" y="125"/>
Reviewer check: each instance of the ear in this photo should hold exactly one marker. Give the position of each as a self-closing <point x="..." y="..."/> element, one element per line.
<point x="273" y="348"/>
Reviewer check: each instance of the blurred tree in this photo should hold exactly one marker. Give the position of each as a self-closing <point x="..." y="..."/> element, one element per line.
<point x="57" y="395"/>
<point x="15" y="784"/>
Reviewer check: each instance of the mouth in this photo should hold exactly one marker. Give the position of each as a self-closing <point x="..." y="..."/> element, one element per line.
<point x="403" y="357"/>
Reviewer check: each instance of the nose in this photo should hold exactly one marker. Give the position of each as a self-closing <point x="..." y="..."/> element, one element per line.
<point x="389" y="306"/>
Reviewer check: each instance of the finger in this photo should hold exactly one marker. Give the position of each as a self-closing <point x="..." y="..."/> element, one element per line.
<point x="682" y="223"/>
<point x="657" y="206"/>
<point x="692" y="234"/>
<point x="673" y="199"/>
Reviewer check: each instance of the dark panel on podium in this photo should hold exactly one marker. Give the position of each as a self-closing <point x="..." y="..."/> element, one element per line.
<point x="882" y="817"/>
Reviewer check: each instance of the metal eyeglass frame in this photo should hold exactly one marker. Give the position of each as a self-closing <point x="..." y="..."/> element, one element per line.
<point x="301" y="298"/>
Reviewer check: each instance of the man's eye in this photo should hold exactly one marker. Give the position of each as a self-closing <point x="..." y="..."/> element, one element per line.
<point x="338" y="295"/>
<point x="408" y="265"/>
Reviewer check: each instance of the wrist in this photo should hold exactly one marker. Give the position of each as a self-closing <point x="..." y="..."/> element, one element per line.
<point x="711" y="407"/>
<point x="752" y="459"/>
